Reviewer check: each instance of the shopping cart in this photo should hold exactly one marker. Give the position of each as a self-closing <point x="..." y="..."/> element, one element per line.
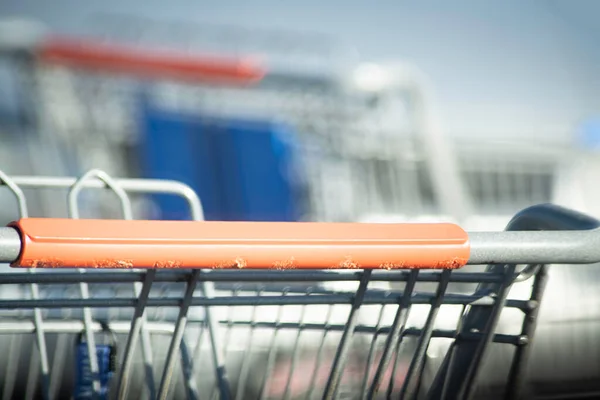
<point x="221" y="309"/>
<point x="82" y="114"/>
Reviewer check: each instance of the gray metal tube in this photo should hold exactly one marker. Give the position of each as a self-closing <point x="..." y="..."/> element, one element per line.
<point x="541" y="247"/>
<point x="145" y="186"/>
<point x="10" y="244"/>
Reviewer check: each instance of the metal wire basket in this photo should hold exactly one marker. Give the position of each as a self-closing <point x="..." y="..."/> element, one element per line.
<point x="237" y="309"/>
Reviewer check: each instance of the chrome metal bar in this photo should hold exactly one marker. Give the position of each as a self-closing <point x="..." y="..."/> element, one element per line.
<point x="146" y="186"/>
<point x="364" y="386"/>
<point x="244" y="370"/>
<point x="517" y="378"/>
<point x="167" y="329"/>
<point x="226" y="337"/>
<point x="12" y="367"/>
<point x="75" y="326"/>
<point x="217" y="350"/>
<point x="168" y="276"/>
<point x="58" y="363"/>
<point x="208" y="290"/>
<point x="410" y="387"/>
<point x="197" y="352"/>
<point x="320" y="354"/>
<point x="541" y="247"/>
<point x="295" y="351"/>
<point x="490" y="328"/>
<point x="393" y="339"/>
<point x="136" y="327"/>
<point x="339" y="361"/>
<point x="32" y="376"/>
<point x="187" y="369"/>
<point x="272" y="353"/>
<point x="10" y="245"/>
<point x="341" y="298"/>
<point x="165" y="382"/>
<point x="73" y="209"/>
<point x="396" y="364"/>
<point x="37" y="314"/>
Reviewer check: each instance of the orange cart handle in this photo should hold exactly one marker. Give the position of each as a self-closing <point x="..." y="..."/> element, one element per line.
<point x="92" y="55"/>
<point x="84" y="243"/>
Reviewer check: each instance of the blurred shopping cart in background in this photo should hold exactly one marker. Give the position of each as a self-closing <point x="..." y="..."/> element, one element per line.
<point x="358" y="142"/>
<point x="375" y="124"/>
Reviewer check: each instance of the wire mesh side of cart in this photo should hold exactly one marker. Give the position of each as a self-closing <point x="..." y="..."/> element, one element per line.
<point x="270" y="334"/>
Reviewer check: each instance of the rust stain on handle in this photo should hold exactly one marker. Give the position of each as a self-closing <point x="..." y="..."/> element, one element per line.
<point x="255" y="245"/>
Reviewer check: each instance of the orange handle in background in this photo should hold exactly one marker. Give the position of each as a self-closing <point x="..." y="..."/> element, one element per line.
<point x="92" y="55"/>
<point x="84" y="243"/>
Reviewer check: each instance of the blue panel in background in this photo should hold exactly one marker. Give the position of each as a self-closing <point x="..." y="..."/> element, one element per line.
<point x="258" y="165"/>
<point x="242" y="170"/>
<point x="173" y="146"/>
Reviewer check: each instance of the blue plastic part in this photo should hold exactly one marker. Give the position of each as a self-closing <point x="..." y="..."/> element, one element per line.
<point x="244" y="170"/>
<point x="84" y="379"/>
